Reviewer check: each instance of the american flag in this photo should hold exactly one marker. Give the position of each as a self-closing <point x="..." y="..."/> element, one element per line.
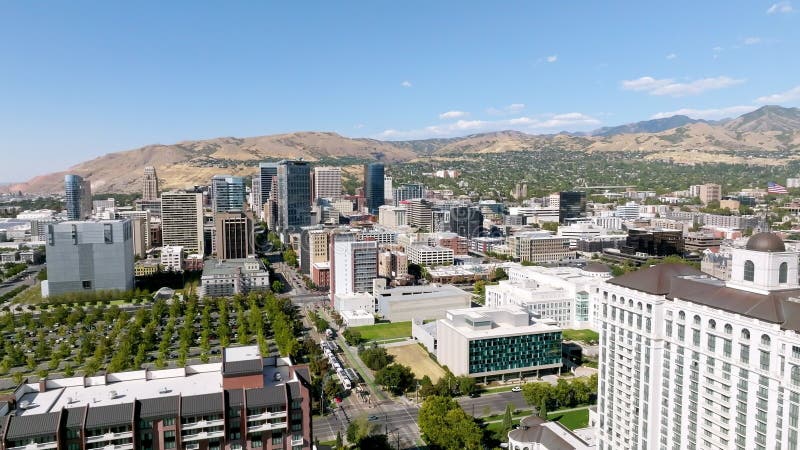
<point x="775" y="188"/>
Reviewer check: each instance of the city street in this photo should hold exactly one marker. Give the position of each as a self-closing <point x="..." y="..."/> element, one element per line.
<point x="26" y="278"/>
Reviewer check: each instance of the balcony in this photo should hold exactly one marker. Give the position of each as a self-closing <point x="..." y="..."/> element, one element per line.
<point x="203" y="424"/>
<point x="297" y="441"/>
<point x="202" y="436"/>
<point x="267" y="416"/>
<point x="35" y="446"/>
<point x="109" y="437"/>
<point x="267" y="427"/>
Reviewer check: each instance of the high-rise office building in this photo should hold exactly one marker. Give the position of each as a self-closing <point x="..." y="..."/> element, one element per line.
<point x="89" y="256"/>
<point x="78" y="195"/>
<point x="688" y="361"/>
<point x="294" y="195"/>
<point x="227" y="193"/>
<point x="408" y="192"/>
<point x="354" y="264"/>
<point x="150" y="184"/>
<point x="420" y="214"/>
<point x="256" y="202"/>
<point x="328" y="182"/>
<point x="234" y="235"/>
<point x="266" y="172"/>
<point x="466" y="221"/>
<point x="388" y="190"/>
<point x="373" y="186"/>
<point x="182" y="220"/>
<point x="571" y="205"/>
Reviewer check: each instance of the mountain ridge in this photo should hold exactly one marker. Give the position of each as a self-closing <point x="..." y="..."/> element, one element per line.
<point x="677" y="138"/>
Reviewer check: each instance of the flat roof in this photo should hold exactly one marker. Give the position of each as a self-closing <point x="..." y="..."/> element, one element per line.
<point x="243" y="353"/>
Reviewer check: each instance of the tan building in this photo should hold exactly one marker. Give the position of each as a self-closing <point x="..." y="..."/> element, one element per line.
<point x="710" y="193"/>
<point x="182" y="220"/>
<point x="234" y="235"/>
<point x="318" y="246"/>
<point x="150" y="184"/>
<point x="539" y="247"/>
<point x="393" y="265"/>
<point x="327" y="182"/>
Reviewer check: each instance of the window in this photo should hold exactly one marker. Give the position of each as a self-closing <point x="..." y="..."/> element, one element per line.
<point x="696" y="320"/>
<point x="764" y="360"/>
<point x="783" y="273"/>
<point x="169" y="439"/>
<point x="169" y="421"/>
<point x="796" y="375"/>
<point x="681" y="315"/>
<point x="745" y="335"/>
<point x="712" y="324"/>
<point x="749" y="271"/>
<point x="728" y="329"/>
<point x="108" y="233"/>
<point x="87" y="284"/>
<point x="765" y="340"/>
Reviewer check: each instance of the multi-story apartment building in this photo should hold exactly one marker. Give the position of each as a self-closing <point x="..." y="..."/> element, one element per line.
<point x="494" y="343"/>
<point x="539" y="247"/>
<point x="150" y="184"/>
<point x="172" y="258"/>
<point x="393" y="216"/>
<point x="420" y="213"/>
<point x="426" y="255"/>
<point x="182" y="220"/>
<point x="78" y="197"/>
<point x="244" y="402"/>
<point x="89" y="256"/>
<point x="353" y="264"/>
<point x="328" y="182"/>
<point x="225" y="278"/>
<point x="688" y="361"/>
<point x="227" y="193"/>
<point x="140" y="220"/>
<point x="709" y="192"/>
<point x="393" y="265"/>
<point x="408" y="192"/>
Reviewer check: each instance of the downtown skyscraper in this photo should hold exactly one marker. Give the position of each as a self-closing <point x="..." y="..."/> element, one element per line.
<point x="78" y="195"/>
<point x="150" y="184"/>
<point x="373" y="186"/>
<point x="294" y="195"/>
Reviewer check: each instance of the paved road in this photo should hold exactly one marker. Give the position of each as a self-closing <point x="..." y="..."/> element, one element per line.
<point x="397" y="420"/>
<point x="495" y="402"/>
<point x="29" y="279"/>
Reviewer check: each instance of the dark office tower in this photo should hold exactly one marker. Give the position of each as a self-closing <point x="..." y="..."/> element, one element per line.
<point x="266" y="171"/>
<point x="373" y="186"/>
<point x="466" y="221"/>
<point x="78" y="195"/>
<point x="234" y="235"/>
<point x="294" y="195"/>
<point x="571" y="205"/>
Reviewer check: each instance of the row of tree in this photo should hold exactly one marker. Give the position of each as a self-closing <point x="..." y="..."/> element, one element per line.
<point x="446" y="426"/>
<point x="565" y="394"/>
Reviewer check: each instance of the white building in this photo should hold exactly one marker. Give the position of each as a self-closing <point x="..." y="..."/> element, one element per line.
<point x="427" y="302"/>
<point x="328" y="182"/>
<point x="493" y="343"/>
<point x="628" y="211"/>
<point x="579" y="230"/>
<point x="393" y="216"/>
<point x="567" y="295"/>
<point x="535" y="433"/>
<point x="539" y="247"/>
<point x="357" y="318"/>
<point x="354" y="264"/>
<point x="182" y="220"/>
<point x="172" y="258"/>
<point x="426" y="255"/>
<point x="358" y="301"/>
<point x="225" y="278"/>
<point x="688" y="361"/>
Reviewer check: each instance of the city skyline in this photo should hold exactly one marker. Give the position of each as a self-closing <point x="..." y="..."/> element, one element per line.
<point x="534" y="68"/>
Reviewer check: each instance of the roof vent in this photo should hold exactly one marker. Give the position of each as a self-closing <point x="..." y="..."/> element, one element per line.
<point x="112" y="395"/>
<point x="164" y="390"/>
<point x="25" y="404"/>
<point x="70" y="400"/>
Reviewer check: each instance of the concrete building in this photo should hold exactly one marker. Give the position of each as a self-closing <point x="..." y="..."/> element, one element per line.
<point x="717" y="263"/>
<point x="146" y="267"/>
<point x="354" y="264"/>
<point x="579" y="230"/>
<point x="150" y="184"/>
<point x="426" y="255"/>
<point x="246" y="401"/>
<point x="89" y="256"/>
<point x="328" y="182"/>
<point x="408" y="192"/>
<point x="357" y="318"/>
<point x="715" y="365"/>
<point x="495" y="343"/>
<point x="393" y="265"/>
<point x="420" y="213"/>
<point x="225" y="278"/>
<point x="426" y="302"/>
<point x="393" y="216"/>
<point x="539" y="247"/>
<point x="356" y="301"/>
<point x="709" y="193"/>
<point x="78" y="197"/>
<point x="140" y="221"/>
<point x="234" y="235"/>
<point x="182" y="220"/>
<point x="227" y="193"/>
<point x="321" y="274"/>
<point x="294" y="195"/>
<point x="388" y="191"/>
<point x="172" y="258"/>
<point x="567" y="295"/>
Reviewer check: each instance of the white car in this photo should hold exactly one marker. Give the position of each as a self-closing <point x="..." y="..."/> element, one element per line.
<point x="516" y="389"/>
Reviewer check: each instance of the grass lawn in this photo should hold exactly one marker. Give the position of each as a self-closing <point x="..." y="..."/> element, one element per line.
<point x="571" y="419"/>
<point x="384" y="331"/>
<point x="30" y="296"/>
<point x="580" y="335"/>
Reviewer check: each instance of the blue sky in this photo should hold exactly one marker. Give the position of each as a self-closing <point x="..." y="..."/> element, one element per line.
<point x="80" y="79"/>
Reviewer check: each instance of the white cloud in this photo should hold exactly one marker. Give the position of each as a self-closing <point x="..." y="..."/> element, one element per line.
<point x="546" y="123"/>
<point x="453" y="115"/>
<point x="753" y="40"/>
<point x="406" y="84"/>
<point x="708" y="114"/>
<point x="514" y="108"/>
<point x="672" y="56"/>
<point x="358" y="126"/>
<point x="780" y="8"/>
<point x="552" y="58"/>
<point x="792" y="94"/>
<point x="668" y="86"/>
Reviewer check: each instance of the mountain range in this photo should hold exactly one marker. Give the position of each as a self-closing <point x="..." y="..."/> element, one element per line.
<point x="767" y="136"/>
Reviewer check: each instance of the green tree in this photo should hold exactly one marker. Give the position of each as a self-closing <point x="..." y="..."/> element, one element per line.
<point x="352" y="337"/>
<point x="339" y="441"/>
<point x="543" y="409"/>
<point x="396" y="378"/>
<point x="290" y="257"/>
<point x="445" y="425"/>
<point x="277" y="287"/>
<point x="375" y="357"/>
<point x="508" y="420"/>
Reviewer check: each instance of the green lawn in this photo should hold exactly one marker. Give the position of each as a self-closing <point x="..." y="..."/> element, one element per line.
<point x="384" y="331"/>
<point x="572" y="419"/>
<point x="580" y="335"/>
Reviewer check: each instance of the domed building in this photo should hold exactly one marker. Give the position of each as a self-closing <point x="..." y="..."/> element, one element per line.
<point x="535" y="433"/>
<point x="690" y="361"/>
